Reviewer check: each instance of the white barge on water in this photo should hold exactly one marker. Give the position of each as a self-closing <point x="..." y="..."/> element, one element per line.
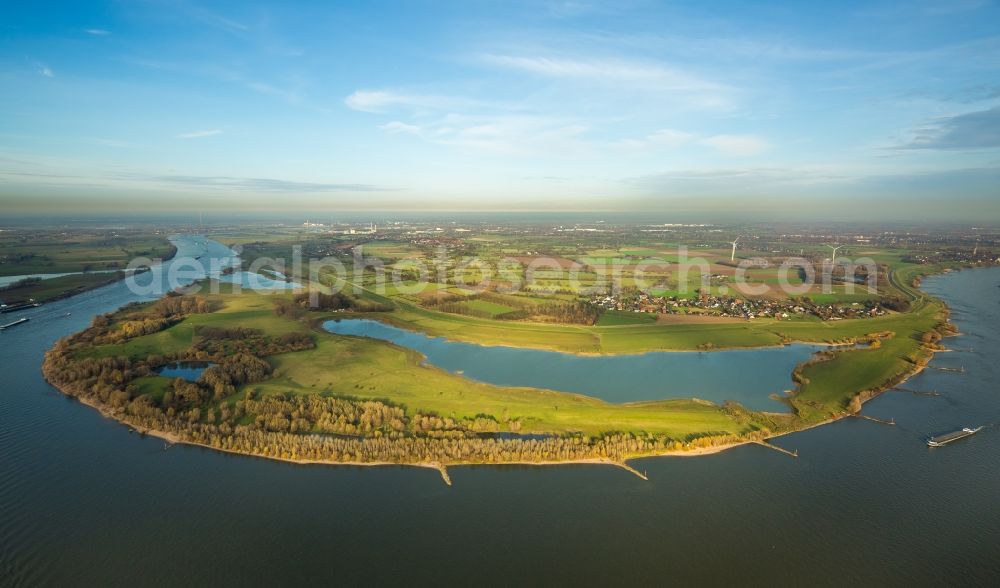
<point x="14" y="324"/>
<point x="942" y="440"/>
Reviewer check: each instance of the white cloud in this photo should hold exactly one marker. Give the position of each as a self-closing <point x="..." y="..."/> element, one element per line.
<point x="971" y="130"/>
<point x="199" y="134"/>
<point x="396" y="127"/>
<point x="662" y="138"/>
<point x="510" y="129"/>
<point x="678" y="87"/>
<point x="457" y="121"/>
<point x="367" y="101"/>
<point x="731" y="145"/>
<point x="44" y="70"/>
<point x="607" y="70"/>
<point x="736" y="145"/>
<point x="517" y="135"/>
<point x="378" y="101"/>
<point x="497" y="133"/>
<point x="97" y="32"/>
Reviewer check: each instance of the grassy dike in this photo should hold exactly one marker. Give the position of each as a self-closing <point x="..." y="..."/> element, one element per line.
<point x="852" y="377"/>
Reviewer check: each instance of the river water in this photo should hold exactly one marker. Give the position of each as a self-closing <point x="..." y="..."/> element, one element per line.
<point x="750" y="376"/>
<point x="85" y="502"/>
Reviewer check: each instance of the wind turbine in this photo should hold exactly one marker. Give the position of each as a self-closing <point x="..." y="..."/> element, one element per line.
<point x="835" y="249"/>
<point x="733" y="256"/>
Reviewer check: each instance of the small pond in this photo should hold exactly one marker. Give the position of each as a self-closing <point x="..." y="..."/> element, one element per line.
<point x="188" y="370"/>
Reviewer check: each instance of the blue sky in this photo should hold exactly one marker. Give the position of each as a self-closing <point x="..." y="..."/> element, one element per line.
<point x="695" y="106"/>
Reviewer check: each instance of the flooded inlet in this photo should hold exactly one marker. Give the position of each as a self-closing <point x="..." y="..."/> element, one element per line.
<point x="748" y="376"/>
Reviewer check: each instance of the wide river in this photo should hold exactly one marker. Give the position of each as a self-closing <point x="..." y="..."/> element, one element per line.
<point x="85" y="502"/>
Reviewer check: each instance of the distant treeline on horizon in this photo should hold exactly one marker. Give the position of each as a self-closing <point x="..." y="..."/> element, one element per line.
<point x="383" y="219"/>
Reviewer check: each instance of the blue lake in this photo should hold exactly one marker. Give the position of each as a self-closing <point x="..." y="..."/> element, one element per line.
<point x="188" y="370"/>
<point x="748" y="376"/>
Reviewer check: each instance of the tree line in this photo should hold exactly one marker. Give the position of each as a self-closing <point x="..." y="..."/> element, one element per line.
<point x="578" y="312"/>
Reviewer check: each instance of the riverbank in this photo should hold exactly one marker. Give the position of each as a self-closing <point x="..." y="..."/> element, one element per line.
<point x="67" y="285"/>
<point x="442" y="468"/>
<point x="59" y="288"/>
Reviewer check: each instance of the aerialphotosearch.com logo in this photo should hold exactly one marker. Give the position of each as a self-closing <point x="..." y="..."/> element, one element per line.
<point x="357" y="273"/>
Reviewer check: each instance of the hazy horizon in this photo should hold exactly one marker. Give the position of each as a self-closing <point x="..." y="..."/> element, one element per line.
<point x="194" y="220"/>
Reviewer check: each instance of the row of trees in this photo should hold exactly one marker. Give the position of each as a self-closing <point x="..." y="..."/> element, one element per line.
<point x="178" y="304"/>
<point x="338" y="301"/>
<point x="579" y="312"/>
<point x="138" y="320"/>
<point x="212" y="332"/>
<point x="261" y="437"/>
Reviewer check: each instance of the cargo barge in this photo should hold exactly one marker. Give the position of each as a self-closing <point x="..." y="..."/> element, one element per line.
<point x="14" y="324"/>
<point x="15" y="307"/>
<point x="942" y="440"/>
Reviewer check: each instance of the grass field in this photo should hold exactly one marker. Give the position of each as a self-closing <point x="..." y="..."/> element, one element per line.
<point x="52" y="252"/>
<point x="247" y="309"/>
<point x="152" y="386"/>
<point x="372" y="369"/>
<point x="491" y="308"/>
<point x="53" y="288"/>
<point x="831" y="384"/>
<point x="613" y="318"/>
